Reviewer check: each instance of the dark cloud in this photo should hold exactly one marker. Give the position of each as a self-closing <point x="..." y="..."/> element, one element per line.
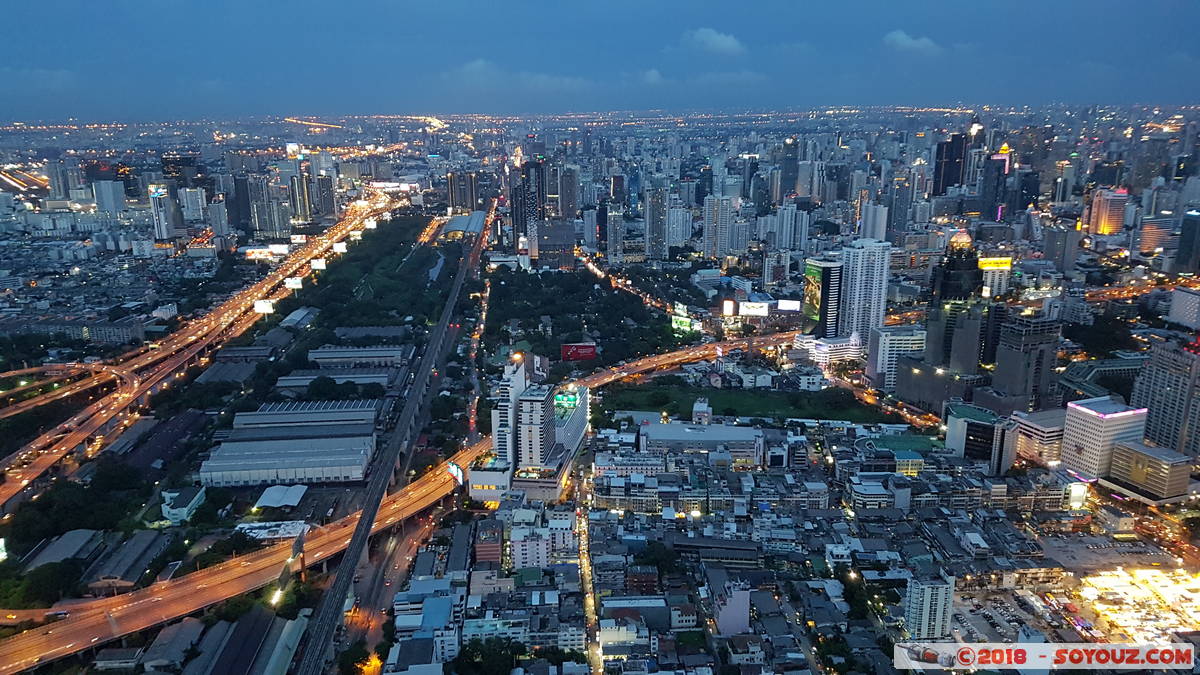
<point x="229" y="57"/>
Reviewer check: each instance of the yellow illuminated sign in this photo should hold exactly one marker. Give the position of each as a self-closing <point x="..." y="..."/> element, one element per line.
<point x="995" y="263"/>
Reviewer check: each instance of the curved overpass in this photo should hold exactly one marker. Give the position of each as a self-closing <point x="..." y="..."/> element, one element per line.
<point x="103" y="619"/>
<point x="229" y="319"/>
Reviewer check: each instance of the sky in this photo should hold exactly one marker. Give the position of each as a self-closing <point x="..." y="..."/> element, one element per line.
<point x="190" y="59"/>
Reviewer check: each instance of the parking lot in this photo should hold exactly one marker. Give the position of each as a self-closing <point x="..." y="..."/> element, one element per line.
<point x="992" y="617"/>
<point x="1086" y="553"/>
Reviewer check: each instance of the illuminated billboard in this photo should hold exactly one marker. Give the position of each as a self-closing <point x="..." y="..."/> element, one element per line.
<point x="278" y="249"/>
<point x="264" y="307"/>
<point x="567" y="400"/>
<point x="728" y="308"/>
<point x="998" y="263"/>
<point x="681" y="324"/>
<point x="578" y="351"/>
<point x="293" y="283"/>
<point x="455" y="471"/>
<point x="790" y="305"/>
<point x="370" y="223"/>
<point x="355" y="235"/>
<point x="157" y="190"/>
<point x="317" y="263"/>
<point x="680" y="308"/>
<point x="753" y="309"/>
<point x="299" y="238"/>
<point x="339" y="247"/>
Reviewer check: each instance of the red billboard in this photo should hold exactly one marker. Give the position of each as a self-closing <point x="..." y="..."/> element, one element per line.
<point x="578" y="351"/>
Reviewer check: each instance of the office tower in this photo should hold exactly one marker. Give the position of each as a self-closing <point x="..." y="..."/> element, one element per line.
<point x="109" y="196"/>
<point x="239" y="208"/>
<point x="192" y="202"/>
<point x="993" y="186"/>
<point x="823" y="295"/>
<point x="1187" y="257"/>
<point x="162" y="212"/>
<point x="679" y="226"/>
<point x="590" y="235"/>
<point x="616" y="188"/>
<point x="886" y="346"/>
<point x="1025" y="360"/>
<point x="1064" y="182"/>
<point x="1093" y="428"/>
<point x="300" y="198"/>
<point x="958" y="276"/>
<point x="504" y="416"/>
<point x="1060" y="245"/>
<point x="928" y="606"/>
<point x="1167" y="386"/>
<point x="462" y="188"/>
<point x="1038" y="436"/>
<point x="615" y="236"/>
<point x="874" y="221"/>
<point x="1024" y="190"/>
<point x="1156" y="234"/>
<point x="535" y="426"/>
<point x="1185" y="307"/>
<point x="568" y="192"/>
<point x="321" y="164"/>
<point x="1107" y="213"/>
<point x="949" y="163"/>
<point x="997" y="274"/>
<point x="789" y="168"/>
<point x="65" y="175"/>
<point x="217" y="217"/>
<point x="864" y="287"/>
<point x="800" y="229"/>
<point x="973" y="432"/>
<point x="182" y="167"/>
<point x="954" y="335"/>
<point x="656" y="223"/>
<point x="552" y="178"/>
<point x="718" y="220"/>
<point x="899" y="204"/>
<point x="324" y="195"/>
<point x="1147" y="472"/>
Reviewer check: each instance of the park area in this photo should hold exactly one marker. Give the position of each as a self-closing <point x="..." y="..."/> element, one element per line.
<point x="677" y="399"/>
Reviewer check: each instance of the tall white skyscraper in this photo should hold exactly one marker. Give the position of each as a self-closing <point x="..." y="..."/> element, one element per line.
<point x="928" y="606"/>
<point x="161" y="211"/>
<point x="511" y="386"/>
<point x="864" y="287"/>
<point x="192" y="202"/>
<point x="887" y="344"/>
<point x="679" y="226"/>
<point x="535" y="426"/>
<point x="874" y="221"/>
<point x="718" y="219"/>
<point x="1093" y="428"/>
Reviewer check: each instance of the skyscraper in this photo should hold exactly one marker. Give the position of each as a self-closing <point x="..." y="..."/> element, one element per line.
<point x="504" y="415"/>
<point x="163" y="211"/>
<point x="1187" y="257"/>
<point x="874" y="221"/>
<point x="463" y="190"/>
<point x="1093" y="428"/>
<point x="899" y="204"/>
<point x="1060" y="244"/>
<point x="958" y="276"/>
<point x="1168" y="386"/>
<point x="568" y="192"/>
<point x="949" y="163"/>
<point x="789" y="167"/>
<point x="886" y="346"/>
<point x="993" y="186"/>
<point x="864" y="287"/>
<point x="1025" y="360"/>
<point x="679" y="226"/>
<point x="1107" y="213"/>
<point x="928" y="606"/>
<point x="718" y="220"/>
<point x="109" y="195"/>
<point x="823" y="295"/>
<point x="300" y="198"/>
<point x="535" y="426"/>
<point x="182" y="167"/>
<point x="656" y="223"/>
<point x="65" y="175"/>
<point x="324" y="196"/>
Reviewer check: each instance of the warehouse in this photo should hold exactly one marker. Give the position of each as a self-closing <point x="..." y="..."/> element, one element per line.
<point x="300" y="379"/>
<point x="309" y="413"/>
<point x="332" y="356"/>
<point x="328" y="453"/>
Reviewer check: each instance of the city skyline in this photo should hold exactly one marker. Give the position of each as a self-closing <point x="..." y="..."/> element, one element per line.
<point x="531" y="57"/>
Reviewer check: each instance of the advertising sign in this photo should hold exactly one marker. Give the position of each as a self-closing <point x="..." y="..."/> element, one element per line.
<point x="789" y="305"/>
<point x="578" y="351"/>
<point x="753" y="309"/>
<point x="339" y="247"/>
<point x="317" y="263"/>
<point x="293" y="283"/>
<point x="264" y="307"/>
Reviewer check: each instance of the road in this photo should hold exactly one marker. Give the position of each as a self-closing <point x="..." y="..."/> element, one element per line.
<point x="319" y="635"/>
<point x="155" y="369"/>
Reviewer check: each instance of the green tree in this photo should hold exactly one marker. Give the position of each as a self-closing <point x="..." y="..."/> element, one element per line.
<point x="49" y="583"/>
<point x="494" y="656"/>
<point x="665" y="560"/>
<point x="354" y="658"/>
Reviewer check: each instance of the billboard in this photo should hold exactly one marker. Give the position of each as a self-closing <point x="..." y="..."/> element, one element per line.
<point x="566" y="400"/>
<point x="997" y="263"/>
<point x="264" y="307"/>
<point x="789" y="305"/>
<point x="293" y="283"/>
<point x="339" y="247"/>
<point x="578" y="351"/>
<point x="370" y="223"/>
<point x="681" y="324"/>
<point x="455" y="471"/>
<point x="680" y="308"/>
<point x="278" y="249"/>
<point x="813" y="278"/>
<point x="299" y="238"/>
<point x="727" y="308"/>
<point x="753" y="309"/>
<point x="317" y="263"/>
